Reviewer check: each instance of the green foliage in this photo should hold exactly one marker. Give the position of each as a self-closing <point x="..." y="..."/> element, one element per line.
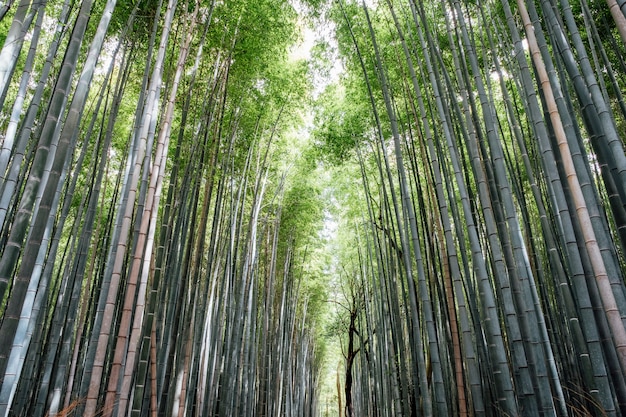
<point x="341" y="121"/>
<point x="5" y="24"/>
<point x="302" y="208"/>
<point x="261" y="31"/>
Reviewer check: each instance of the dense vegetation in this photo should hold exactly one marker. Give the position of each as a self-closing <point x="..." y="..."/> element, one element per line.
<point x="198" y="219"/>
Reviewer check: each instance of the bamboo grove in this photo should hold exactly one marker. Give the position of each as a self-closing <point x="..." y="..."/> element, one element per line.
<point x="489" y="275"/>
<point x="160" y="208"/>
<point x="150" y="257"/>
